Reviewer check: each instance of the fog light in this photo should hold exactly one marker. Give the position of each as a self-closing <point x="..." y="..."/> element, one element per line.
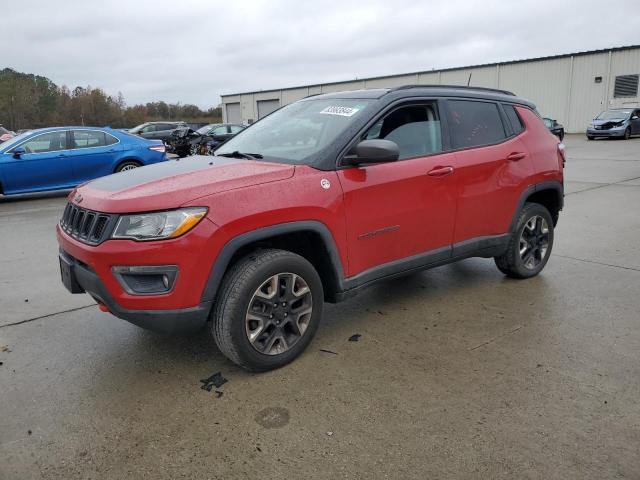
<point x="146" y="279"/>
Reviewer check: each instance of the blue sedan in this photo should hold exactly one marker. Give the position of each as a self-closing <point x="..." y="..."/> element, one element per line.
<point x="63" y="157"/>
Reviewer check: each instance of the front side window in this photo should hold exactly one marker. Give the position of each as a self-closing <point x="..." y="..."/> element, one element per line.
<point x="475" y="123"/>
<point x="235" y="129"/>
<point x="148" y="129"/>
<point x="47" y="142"/>
<point x="88" y="139"/>
<point x="415" y="129"/>
<point x="297" y="132"/>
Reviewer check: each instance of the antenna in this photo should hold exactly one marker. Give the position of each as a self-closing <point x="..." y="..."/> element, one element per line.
<point x="469" y="81"/>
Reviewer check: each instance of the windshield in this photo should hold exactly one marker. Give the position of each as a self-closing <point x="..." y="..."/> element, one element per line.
<point x="4" y="146"/>
<point x="614" y="115"/>
<point x="297" y="131"/>
<point x="205" y="129"/>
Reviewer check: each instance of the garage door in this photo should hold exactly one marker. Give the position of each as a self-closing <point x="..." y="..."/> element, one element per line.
<point x="265" y="107"/>
<point x="233" y="113"/>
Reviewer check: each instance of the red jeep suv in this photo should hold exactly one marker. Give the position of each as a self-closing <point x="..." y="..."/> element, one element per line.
<point x="313" y="203"/>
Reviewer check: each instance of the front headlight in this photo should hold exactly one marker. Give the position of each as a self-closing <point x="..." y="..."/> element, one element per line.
<point x="158" y="225"/>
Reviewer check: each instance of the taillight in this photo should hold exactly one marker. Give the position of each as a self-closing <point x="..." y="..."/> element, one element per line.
<point x="562" y="154"/>
<point x="158" y="148"/>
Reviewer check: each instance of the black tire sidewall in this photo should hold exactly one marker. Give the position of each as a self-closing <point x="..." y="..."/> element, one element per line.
<point x="251" y="358"/>
<point x="531" y="210"/>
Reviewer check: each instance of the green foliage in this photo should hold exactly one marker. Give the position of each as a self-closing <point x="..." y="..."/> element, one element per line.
<point x="33" y="101"/>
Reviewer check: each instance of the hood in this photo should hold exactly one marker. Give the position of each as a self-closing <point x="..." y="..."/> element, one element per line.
<point x="610" y="121"/>
<point x="173" y="183"/>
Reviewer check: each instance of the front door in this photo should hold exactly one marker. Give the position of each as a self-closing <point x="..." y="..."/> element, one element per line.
<point x="44" y="165"/>
<point x="405" y="208"/>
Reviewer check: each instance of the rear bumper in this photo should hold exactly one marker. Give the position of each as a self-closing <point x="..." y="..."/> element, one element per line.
<point x="183" y="320"/>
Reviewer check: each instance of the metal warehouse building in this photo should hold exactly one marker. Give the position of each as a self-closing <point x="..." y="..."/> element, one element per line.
<point x="571" y="88"/>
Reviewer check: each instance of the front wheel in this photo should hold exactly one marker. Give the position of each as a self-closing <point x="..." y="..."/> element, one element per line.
<point x="627" y="133"/>
<point x="530" y="244"/>
<point x="268" y="309"/>
<point x="590" y="137"/>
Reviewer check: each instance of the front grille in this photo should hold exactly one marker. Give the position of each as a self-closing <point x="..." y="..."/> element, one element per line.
<point x="86" y="225"/>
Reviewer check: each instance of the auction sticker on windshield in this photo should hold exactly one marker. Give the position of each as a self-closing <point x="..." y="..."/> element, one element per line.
<point x="342" y="111"/>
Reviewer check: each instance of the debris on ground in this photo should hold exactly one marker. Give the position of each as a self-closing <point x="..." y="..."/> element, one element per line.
<point x="29" y="432"/>
<point x="355" y="337"/>
<point x="329" y="433"/>
<point x="4" y="348"/>
<point x="328" y="351"/>
<point x="26" y="300"/>
<point x="216" y="380"/>
<point x="219" y="393"/>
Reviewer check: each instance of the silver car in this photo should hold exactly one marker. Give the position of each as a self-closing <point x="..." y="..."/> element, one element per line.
<point x="617" y="122"/>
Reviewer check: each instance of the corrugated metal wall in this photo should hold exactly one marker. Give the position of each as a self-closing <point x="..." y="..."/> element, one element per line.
<point x="563" y="88"/>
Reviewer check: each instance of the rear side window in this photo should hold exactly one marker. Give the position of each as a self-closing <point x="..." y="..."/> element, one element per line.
<point x="110" y="139"/>
<point x="415" y="129"/>
<point x="88" y="139"/>
<point x="516" y="123"/>
<point x="474" y="123"/>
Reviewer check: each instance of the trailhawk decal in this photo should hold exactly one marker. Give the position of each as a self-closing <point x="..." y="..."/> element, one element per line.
<point x="342" y="111"/>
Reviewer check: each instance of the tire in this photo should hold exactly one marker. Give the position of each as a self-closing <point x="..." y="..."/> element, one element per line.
<point x="537" y="243"/>
<point x="128" y="165"/>
<point x="589" y="137"/>
<point x="627" y="134"/>
<point x="193" y="149"/>
<point x="253" y="329"/>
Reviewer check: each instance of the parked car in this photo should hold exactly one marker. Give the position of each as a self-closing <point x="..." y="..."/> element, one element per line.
<point x="554" y="127"/>
<point x="5" y="134"/>
<point x="157" y="130"/>
<point x="315" y="202"/>
<point x="203" y="141"/>
<point x="63" y="157"/>
<point x="617" y="122"/>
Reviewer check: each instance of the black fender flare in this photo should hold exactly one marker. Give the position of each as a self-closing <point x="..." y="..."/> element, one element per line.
<point x="223" y="259"/>
<point x="553" y="185"/>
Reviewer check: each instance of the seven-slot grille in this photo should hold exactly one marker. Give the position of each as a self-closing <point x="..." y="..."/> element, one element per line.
<point x="86" y="225"/>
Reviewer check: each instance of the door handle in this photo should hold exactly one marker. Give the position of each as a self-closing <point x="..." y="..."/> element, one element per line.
<point x="440" y="171"/>
<point x="515" y="156"/>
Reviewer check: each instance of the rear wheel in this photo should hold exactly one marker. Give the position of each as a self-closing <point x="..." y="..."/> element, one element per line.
<point x="128" y="165"/>
<point x="530" y="245"/>
<point x="268" y="309"/>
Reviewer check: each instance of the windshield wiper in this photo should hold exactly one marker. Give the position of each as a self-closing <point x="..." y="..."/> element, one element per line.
<point x="237" y="154"/>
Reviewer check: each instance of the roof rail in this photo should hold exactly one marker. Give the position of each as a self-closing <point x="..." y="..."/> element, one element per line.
<point x="460" y="87"/>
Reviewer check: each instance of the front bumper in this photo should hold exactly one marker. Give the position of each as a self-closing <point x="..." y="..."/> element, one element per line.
<point x="613" y="132"/>
<point x="183" y="320"/>
<point x="182" y="309"/>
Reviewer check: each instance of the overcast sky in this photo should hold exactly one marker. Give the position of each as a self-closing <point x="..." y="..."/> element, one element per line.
<point x="192" y="51"/>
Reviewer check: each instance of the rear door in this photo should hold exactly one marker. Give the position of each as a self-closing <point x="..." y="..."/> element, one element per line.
<point x="400" y="209"/>
<point x="492" y="166"/>
<point x="45" y="165"/>
<point x="93" y="154"/>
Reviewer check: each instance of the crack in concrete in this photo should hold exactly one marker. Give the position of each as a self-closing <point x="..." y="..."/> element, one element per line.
<point x="597" y="263"/>
<point x="496" y="338"/>
<point x="46" y="316"/>
<point x="602" y="185"/>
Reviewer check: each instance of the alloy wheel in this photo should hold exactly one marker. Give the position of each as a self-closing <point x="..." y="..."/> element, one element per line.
<point x="129" y="166"/>
<point x="534" y="242"/>
<point x="279" y="313"/>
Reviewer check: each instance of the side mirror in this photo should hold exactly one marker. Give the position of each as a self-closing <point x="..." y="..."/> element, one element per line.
<point x="374" y="151"/>
<point x="635" y="117"/>
<point x="19" y="151"/>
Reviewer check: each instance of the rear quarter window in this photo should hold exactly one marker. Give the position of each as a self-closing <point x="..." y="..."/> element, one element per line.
<point x="517" y="125"/>
<point x="474" y="123"/>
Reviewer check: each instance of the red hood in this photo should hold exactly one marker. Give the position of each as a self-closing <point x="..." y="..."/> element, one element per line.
<point x="173" y="183"/>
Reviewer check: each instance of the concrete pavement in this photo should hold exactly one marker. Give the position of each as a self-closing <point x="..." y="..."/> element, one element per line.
<point x="459" y="372"/>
